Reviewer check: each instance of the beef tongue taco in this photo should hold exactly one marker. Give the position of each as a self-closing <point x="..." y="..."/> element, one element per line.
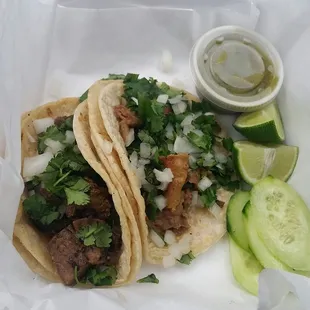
<point x="177" y="160"/>
<point x="71" y="226"/>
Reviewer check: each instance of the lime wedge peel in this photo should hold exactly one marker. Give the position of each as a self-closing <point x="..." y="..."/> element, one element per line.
<point x="255" y="162"/>
<point x="264" y="126"/>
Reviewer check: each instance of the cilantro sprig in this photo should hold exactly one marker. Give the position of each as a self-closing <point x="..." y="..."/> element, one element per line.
<point x="97" y="234"/>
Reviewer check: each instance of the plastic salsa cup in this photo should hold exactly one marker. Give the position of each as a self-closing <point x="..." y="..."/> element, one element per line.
<point x="236" y="69"/>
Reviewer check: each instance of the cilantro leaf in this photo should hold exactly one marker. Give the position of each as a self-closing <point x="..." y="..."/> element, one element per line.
<point x="98" y="234"/>
<point x="151" y="278"/>
<point x="204" y="142"/>
<point x="101" y="276"/>
<point x="228" y="144"/>
<point x="145" y="137"/>
<point x="76" y="197"/>
<point x="51" y="132"/>
<point x="208" y="197"/>
<point x="39" y="210"/>
<point x="187" y="258"/>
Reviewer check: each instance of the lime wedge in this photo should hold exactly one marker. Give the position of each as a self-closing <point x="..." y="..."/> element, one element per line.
<point x="255" y="161"/>
<point x="263" y="126"/>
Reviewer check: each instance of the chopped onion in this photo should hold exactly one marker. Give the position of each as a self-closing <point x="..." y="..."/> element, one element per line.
<point x="31" y="138"/>
<point x="135" y="100"/>
<point x="187" y="120"/>
<point x="182" y="145"/>
<point x="55" y="146"/>
<point x="170" y="237"/>
<point x="216" y="211"/>
<point x="160" y="202"/>
<point x="163" y="186"/>
<point x="195" y="198"/>
<point x="179" y="108"/>
<point x="130" y="137"/>
<point x="220" y="158"/>
<point x="163" y="176"/>
<point x="188" y="128"/>
<point x="143" y="162"/>
<point x="162" y="98"/>
<point x="70" y="138"/>
<point x="170" y="147"/>
<point x="204" y="183"/>
<point x="40" y="125"/>
<point x="166" y="61"/>
<point x="158" y="241"/>
<point x="168" y="261"/>
<point x="145" y="150"/>
<point x="134" y="159"/>
<point x="36" y="165"/>
<point x="175" y="99"/>
<point x="169" y="132"/>
<point x="106" y="146"/>
<point x="175" y="250"/>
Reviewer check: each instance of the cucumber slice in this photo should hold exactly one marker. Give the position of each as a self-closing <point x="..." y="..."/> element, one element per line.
<point x="282" y="221"/>
<point x="235" y="225"/>
<point x="245" y="267"/>
<point x="257" y="246"/>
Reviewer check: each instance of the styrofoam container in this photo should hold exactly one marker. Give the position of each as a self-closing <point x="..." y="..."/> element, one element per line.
<point x="231" y="67"/>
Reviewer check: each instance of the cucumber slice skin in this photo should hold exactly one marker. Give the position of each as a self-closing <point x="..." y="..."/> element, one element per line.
<point x="235" y="225"/>
<point x="245" y="267"/>
<point x="257" y="246"/>
<point x="282" y="220"/>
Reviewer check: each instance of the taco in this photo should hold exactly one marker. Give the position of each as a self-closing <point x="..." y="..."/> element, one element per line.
<point x="177" y="161"/>
<point x="72" y="225"/>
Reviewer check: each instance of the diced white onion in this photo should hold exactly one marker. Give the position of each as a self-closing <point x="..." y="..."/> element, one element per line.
<point x="160" y="202"/>
<point x="204" y="183"/>
<point x="158" y="241"/>
<point x="130" y="137"/>
<point x="187" y="120"/>
<point x="163" y="186"/>
<point x="106" y="146"/>
<point x="175" y="250"/>
<point x="175" y="99"/>
<point x="169" y="132"/>
<point x="195" y="198"/>
<point x="135" y="100"/>
<point x="170" y="147"/>
<point x="162" y="98"/>
<point x="220" y="158"/>
<point x="198" y="132"/>
<point x="134" y="159"/>
<point x="216" y="211"/>
<point x="166" y="62"/>
<point x="170" y="237"/>
<point x="188" y="128"/>
<point x="36" y="165"/>
<point x="145" y="150"/>
<point x="40" y="125"/>
<point x="31" y="138"/>
<point x="168" y="261"/>
<point x="55" y="146"/>
<point x="143" y="162"/>
<point x="164" y="176"/>
<point x="182" y="145"/>
<point x="70" y="138"/>
<point x="179" y="108"/>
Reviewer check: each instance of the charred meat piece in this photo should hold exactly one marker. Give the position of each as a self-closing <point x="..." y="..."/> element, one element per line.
<point x="67" y="252"/>
<point x="179" y="167"/>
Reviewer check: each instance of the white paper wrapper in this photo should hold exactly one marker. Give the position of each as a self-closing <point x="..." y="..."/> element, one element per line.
<point x="49" y="51"/>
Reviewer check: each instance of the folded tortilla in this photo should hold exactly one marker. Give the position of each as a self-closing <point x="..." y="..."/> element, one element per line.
<point x="29" y="241"/>
<point x="204" y="228"/>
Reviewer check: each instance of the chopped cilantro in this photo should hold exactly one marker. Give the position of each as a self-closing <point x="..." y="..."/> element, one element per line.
<point x="51" y="132"/>
<point x="203" y="142"/>
<point x="39" y="210"/>
<point x="228" y="144"/>
<point x="187" y="258"/>
<point x="208" y="197"/>
<point x="100" y="276"/>
<point x="151" y="278"/>
<point x="98" y="234"/>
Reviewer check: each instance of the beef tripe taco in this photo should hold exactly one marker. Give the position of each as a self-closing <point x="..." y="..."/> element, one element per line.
<point x="71" y="226"/>
<point x="177" y="161"/>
